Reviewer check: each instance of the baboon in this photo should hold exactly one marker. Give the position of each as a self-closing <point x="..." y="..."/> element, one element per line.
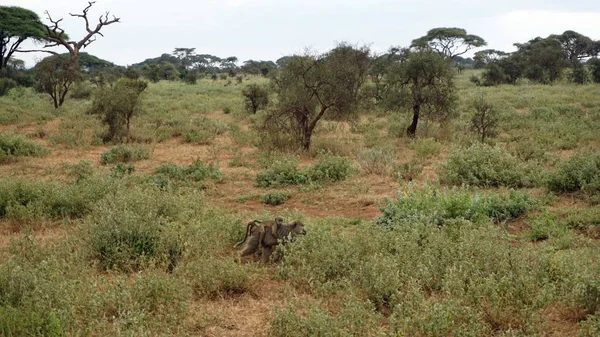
<point x="260" y="227"/>
<point x="268" y="235"/>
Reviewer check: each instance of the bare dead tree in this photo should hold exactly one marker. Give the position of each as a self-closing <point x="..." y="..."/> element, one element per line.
<point x="56" y="36"/>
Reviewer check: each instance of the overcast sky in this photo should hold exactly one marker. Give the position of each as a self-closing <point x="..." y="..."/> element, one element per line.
<point x="270" y="29"/>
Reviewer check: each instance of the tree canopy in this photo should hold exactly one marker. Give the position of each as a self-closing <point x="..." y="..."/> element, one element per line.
<point x="16" y="25"/>
<point x="449" y="42"/>
<point x="577" y="46"/>
<point x="424" y="82"/>
<point x="309" y="87"/>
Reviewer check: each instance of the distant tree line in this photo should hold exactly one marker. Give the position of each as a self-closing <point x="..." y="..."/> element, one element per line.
<point x="542" y="60"/>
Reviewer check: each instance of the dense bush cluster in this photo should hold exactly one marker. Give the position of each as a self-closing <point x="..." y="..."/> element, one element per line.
<point x="284" y="171"/>
<point x="195" y="172"/>
<point x="12" y="146"/>
<point x="437" y="206"/>
<point x="486" y="166"/>
<point x="581" y="172"/>
<point x="124" y="154"/>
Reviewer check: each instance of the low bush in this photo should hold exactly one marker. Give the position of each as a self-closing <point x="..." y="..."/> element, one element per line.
<point x="427" y="148"/>
<point x="12" y="146"/>
<point x="203" y="131"/>
<point x="376" y="160"/>
<point x="581" y="172"/>
<point x="355" y="318"/>
<point x="330" y="168"/>
<point x="6" y="84"/>
<point x="195" y="172"/>
<point x="283" y="171"/>
<point x="133" y="229"/>
<point x="409" y="170"/>
<point x="217" y="278"/>
<point x="434" y="206"/>
<point x="486" y="166"/>
<point x="256" y="97"/>
<point x="81" y="90"/>
<point x="124" y="154"/>
<point x="35" y="199"/>
<point x="275" y="198"/>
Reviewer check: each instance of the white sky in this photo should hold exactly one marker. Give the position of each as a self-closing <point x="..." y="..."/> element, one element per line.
<point x="270" y="29"/>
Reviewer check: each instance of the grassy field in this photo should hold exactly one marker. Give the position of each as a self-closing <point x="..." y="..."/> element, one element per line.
<point x="434" y="236"/>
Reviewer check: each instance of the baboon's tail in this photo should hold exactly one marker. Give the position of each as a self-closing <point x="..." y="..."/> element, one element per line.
<point x="248" y="226"/>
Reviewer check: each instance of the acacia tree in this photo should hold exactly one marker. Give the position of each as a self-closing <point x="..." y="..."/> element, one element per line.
<point x="577" y="46"/>
<point x="312" y="87"/>
<point x="56" y="74"/>
<point x="17" y="25"/>
<point x="484" y="57"/>
<point x="423" y="82"/>
<point x="61" y="73"/>
<point x="56" y="36"/>
<point x="448" y="42"/>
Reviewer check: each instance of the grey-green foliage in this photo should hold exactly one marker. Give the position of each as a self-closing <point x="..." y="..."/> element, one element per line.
<point x="6" y="84"/>
<point x="256" y="97"/>
<point x="487" y="166"/>
<point x="355" y="318"/>
<point x="485" y="118"/>
<point x="581" y="172"/>
<point x="124" y="154"/>
<point x="132" y="229"/>
<point x="275" y="198"/>
<point x="168" y="173"/>
<point x="284" y="171"/>
<point x="458" y="279"/>
<point x="55" y="76"/>
<point x="436" y="206"/>
<point x="422" y="82"/>
<point x="117" y="105"/>
<point x="38" y="200"/>
<point x="313" y="87"/>
<point x="12" y="146"/>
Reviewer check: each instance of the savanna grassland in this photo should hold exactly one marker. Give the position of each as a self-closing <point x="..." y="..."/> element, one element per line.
<point x="440" y="235"/>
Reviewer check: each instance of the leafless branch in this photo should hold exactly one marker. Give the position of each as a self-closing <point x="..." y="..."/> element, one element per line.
<point x="56" y="35"/>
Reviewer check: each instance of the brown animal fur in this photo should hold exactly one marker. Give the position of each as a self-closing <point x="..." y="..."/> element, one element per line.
<point x="268" y="235"/>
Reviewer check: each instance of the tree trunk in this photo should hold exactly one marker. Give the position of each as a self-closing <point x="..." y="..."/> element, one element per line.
<point x="412" y="129"/>
<point x="306" y="139"/>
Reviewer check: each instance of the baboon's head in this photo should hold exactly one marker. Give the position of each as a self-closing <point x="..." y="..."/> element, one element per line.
<point x="298" y="227"/>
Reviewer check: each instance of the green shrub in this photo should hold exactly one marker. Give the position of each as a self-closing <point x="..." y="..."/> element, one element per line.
<point x="124" y="154"/>
<point x="284" y="171"/>
<point x="217" y="278"/>
<point x="6" y="84"/>
<point x="80" y="171"/>
<point x="408" y="171"/>
<point x="33" y="199"/>
<point x="329" y="168"/>
<point x="195" y="172"/>
<point x="581" y="172"/>
<point x="376" y="160"/>
<point x="204" y="130"/>
<point x="427" y="147"/>
<point x="433" y="206"/>
<point x="81" y="90"/>
<point x="356" y="318"/>
<point x="487" y="166"/>
<point x="18" y="146"/>
<point x="117" y="105"/>
<point x="275" y="198"/>
<point x="133" y="229"/>
<point x="256" y="97"/>
<point x="121" y="170"/>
